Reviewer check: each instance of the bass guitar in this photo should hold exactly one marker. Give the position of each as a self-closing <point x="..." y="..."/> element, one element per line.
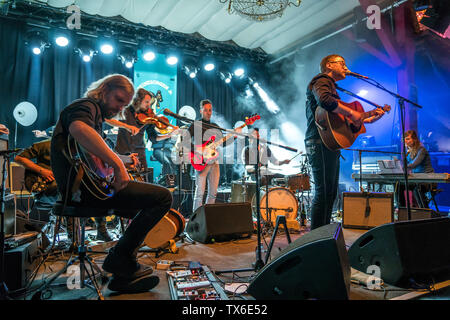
<point x="336" y="131"/>
<point x="207" y="153"/>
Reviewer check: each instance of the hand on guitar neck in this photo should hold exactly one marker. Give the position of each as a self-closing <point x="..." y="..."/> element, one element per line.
<point x="340" y="128"/>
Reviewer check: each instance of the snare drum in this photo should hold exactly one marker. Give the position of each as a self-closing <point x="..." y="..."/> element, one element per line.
<point x="299" y="182"/>
<point x="169" y="227"/>
<point x="281" y="201"/>
<point x="242" y="192"/>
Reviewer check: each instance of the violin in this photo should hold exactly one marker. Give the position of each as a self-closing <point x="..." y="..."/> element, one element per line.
<point x="161" y="123"/>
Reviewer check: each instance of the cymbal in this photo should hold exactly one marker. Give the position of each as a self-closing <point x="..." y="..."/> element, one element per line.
<point x="187" y="112"/>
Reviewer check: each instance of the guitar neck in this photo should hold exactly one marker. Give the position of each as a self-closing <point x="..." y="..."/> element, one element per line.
<point x="228" y="136"/>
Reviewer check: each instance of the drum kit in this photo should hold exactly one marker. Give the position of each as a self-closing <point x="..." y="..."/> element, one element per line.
<point x="288" y="196"/>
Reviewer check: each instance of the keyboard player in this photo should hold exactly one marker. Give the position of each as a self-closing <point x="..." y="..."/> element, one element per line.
<point x="418" y="161"/>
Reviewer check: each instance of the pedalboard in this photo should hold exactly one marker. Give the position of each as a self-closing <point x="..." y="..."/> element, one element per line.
<point x="194" y="282"/>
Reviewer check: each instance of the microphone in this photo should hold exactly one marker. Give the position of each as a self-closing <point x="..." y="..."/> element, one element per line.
<point x="167" y="112"/>
<point x="354" y="74"/>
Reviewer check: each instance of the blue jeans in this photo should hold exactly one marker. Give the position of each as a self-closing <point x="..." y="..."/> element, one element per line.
<point x="325" y="171"/>
<point x="212" y="174"/>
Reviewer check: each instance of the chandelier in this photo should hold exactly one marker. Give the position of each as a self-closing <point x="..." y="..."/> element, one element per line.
<point x="259" y="10"/>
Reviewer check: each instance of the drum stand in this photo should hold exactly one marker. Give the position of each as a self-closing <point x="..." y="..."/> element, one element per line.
<point x="280" y="219"/>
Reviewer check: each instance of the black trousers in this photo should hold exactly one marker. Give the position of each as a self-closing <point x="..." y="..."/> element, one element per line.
<point x="144" y="203"/>
<point x="325" y="171"/>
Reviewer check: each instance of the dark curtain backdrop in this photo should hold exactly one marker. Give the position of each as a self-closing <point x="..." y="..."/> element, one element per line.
<point x="58" y="76"/>
<point x="209" y="86"/>
<point x="49" y="81"/>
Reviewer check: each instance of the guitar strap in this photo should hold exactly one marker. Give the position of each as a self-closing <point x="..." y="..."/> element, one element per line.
<point x="80" y="173"/>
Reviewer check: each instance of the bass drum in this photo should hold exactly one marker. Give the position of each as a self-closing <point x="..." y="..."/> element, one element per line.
<point x="281" y="201"/>
<point x="169" y="227"/>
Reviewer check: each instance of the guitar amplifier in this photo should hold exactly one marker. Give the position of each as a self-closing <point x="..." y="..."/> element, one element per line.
<point x="17" y="179"/>
<point x="366" y="210"/>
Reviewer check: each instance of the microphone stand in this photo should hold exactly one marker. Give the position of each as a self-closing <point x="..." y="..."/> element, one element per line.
<point x="401" y="103"/>
<point x="259" y="263"/>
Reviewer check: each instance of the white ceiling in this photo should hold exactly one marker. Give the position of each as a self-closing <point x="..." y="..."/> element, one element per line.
<point x="211" y="19"/>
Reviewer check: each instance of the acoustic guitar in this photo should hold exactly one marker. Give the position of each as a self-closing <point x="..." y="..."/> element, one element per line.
<point x="207" y="152"/>
<point x="336" y="131"/>
<point x="92" y="172"/>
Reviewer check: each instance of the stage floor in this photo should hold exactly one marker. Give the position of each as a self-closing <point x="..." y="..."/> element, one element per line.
<point x="235" y="254"/>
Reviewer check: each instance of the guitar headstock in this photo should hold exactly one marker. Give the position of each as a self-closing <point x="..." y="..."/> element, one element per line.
<point x="252" y="119"/>
<point x="386" y="108"/>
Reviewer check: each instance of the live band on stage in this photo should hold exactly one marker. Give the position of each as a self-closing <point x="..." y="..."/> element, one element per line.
<point x="79" y="166"/>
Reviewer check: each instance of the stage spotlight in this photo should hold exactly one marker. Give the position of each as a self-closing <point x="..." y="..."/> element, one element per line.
<point x="209" y="66"/>
<point x="128" y="56"/>
<point x="239" y="72"/>
<point x="225" y="76"/>
<point x="62" y="41"/>
<point x="106" y="46"/>
<point x="363" y="92"/>
<point x="37" y="42"/>
<point x="190" y="71"/>
<point x="149" y="55"/>
<point x="172" y="60"/>
<point x="85" y="50"/>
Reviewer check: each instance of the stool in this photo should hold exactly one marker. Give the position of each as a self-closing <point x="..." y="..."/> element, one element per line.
<point x="80" y="214"/>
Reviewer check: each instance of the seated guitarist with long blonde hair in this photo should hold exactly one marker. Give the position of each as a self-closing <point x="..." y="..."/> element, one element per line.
<point x="324" y="162"/>
<point x="144" y="203"/>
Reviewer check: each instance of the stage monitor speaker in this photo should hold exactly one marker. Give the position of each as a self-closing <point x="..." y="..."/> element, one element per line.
<point x="3" y="147"/>
<point x="221" y="222"/>
<point x="365" y="210"/>
<point x="404" y="251"/>
<point x="315" y="266"/>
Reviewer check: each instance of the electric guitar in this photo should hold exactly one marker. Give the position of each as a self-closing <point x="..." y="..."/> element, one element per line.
<point x="207" y="152"/>
<point x="336" y="131"/>
<point x="35" y="184"/>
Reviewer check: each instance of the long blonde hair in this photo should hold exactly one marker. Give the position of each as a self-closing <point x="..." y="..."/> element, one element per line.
<point x="416" y="143"/>
<point x="98" y="89"/>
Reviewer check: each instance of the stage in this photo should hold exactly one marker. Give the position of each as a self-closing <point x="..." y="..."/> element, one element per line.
<point x="229" y="255"/>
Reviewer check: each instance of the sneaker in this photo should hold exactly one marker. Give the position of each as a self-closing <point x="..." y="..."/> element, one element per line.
<point x="124" y="265"/>
<point x="137" y="285"/>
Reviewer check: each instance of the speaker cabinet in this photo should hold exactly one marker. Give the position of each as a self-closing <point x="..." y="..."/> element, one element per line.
<point x="21" y="262"/>
<point x="365" y="210"/>
<point x="221" y="222"/>
<point x="405" y="250"/>
<point x="17" y="179"/>
<point x="10" y="214"/>
<point x="315" y="266"/>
